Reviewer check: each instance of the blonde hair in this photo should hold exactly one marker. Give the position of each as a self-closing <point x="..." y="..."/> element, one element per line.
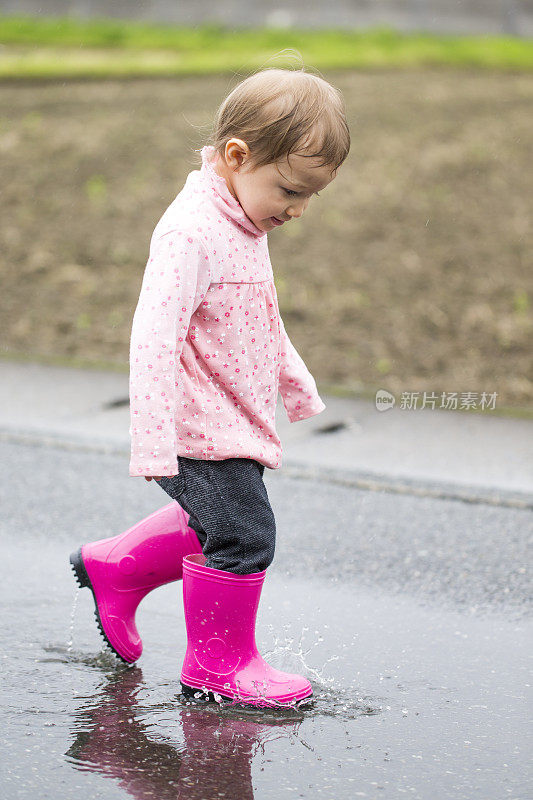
<point x="282" y="111"/>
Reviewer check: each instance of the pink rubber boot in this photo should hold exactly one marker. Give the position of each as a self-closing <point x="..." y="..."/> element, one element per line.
<point x="222" y="656"/>
<point x="120" y="571"/>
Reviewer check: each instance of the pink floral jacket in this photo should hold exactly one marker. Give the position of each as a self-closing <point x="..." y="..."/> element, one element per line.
<point x="209" y="352"/>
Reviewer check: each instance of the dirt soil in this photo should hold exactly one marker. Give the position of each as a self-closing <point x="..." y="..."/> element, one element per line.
<point x="409" y="273"/>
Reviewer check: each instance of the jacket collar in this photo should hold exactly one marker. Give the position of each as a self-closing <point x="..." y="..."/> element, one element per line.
<point x="221" y="195"/>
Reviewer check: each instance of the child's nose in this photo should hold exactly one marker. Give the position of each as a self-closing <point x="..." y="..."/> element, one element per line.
<point x="297" y="209"/>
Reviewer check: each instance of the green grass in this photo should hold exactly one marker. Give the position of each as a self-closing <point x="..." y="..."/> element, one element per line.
<point x="64" y="47"/>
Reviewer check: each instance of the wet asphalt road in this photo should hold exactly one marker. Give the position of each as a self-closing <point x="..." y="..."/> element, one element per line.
<point x="409" y="614"/>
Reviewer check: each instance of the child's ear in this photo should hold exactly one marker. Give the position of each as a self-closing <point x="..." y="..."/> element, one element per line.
<point x="236" y="152"/>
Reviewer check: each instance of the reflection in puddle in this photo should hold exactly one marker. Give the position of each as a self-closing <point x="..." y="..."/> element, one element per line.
<point x="182" y="747"/>
<point x="114" y="736"/>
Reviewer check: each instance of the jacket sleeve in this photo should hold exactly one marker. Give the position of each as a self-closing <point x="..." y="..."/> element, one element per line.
<point x="176" y="280"/>
<point x="296" y="384"/>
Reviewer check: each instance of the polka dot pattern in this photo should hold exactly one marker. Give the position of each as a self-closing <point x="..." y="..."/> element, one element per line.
<point x="209" y="351"/>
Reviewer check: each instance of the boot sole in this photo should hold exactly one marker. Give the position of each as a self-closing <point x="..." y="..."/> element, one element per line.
<point x="83" y="580"/>
<point x="191" y="691"/>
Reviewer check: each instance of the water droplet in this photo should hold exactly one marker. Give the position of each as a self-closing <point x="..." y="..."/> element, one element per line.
<point x="72" y="616"/>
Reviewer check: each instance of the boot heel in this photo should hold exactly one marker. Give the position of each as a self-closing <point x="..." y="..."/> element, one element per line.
<point x="78" y="568"/>
<point x="82" y="579"/>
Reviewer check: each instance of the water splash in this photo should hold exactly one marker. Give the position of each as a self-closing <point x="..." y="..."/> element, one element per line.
<point x="70" y="641"/>
<point x="289" y="652"/>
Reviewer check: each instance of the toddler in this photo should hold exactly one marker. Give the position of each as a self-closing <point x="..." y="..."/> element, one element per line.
<point x="208" y="356"/>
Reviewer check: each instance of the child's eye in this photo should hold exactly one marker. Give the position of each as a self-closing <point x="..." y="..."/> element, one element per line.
<point x="291" y="193"/>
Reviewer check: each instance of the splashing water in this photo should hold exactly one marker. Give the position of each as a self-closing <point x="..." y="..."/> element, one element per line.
<point x="70" y="641"/>
<point x="290" y="652"/>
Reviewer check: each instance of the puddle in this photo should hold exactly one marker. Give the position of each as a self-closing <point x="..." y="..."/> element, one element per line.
<point x="410" y="697"/>
<point x="402" y="698"/>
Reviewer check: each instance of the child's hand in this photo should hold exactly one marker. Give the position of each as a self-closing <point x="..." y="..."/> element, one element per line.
<point x="155" y="477"/>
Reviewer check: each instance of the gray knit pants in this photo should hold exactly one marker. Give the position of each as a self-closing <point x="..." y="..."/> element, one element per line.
<point x="229" y="509"/>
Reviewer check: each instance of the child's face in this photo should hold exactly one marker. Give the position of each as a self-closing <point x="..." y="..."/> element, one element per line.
<point x="279" y="190"/>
